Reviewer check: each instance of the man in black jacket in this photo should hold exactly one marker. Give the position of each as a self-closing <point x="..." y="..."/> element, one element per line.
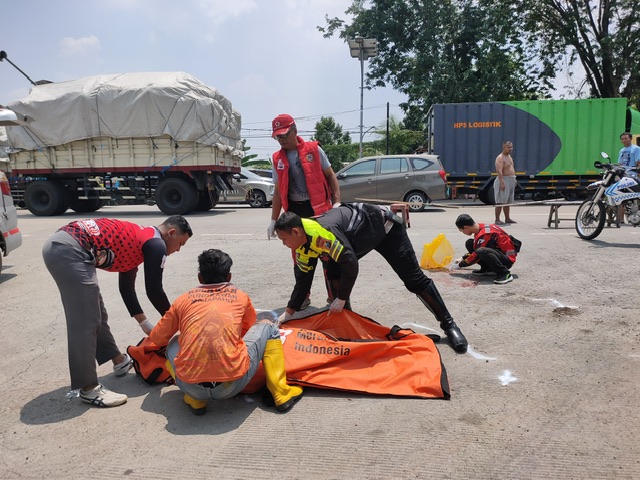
<point x="344" y="235"/>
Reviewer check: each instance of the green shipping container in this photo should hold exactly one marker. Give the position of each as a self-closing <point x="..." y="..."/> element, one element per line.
<point x="555" y="141"/>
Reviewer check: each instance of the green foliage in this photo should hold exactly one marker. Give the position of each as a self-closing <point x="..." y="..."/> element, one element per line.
<point x="251" y="161"/>
<point x="602" y="35"/>
<point x="341" y="154"/>
<point x="336" y="143"/>
<point x="338" y="147"/>
<point x="444" y="51"/>
<point x="400" y="141"/>
<point x="328" y="132"/>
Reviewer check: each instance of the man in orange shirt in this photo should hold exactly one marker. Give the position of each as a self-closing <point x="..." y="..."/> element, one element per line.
<point x="220" y="344"/>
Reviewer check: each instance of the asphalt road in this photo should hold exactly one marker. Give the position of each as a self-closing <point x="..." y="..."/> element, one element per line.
<point x="549" y="388"/>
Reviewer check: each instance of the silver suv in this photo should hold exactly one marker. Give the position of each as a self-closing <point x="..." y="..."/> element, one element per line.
<point x="10" y="236"/>
<point x="415" y="179"/>
<point x="249" y="188"/>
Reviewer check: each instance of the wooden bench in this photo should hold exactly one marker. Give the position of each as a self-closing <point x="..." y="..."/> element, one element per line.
<point x="611" y="218"/>
<point x="553" y="212"/>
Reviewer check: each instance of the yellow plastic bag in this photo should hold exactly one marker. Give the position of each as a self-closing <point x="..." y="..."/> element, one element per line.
<point x="437" y="254"/>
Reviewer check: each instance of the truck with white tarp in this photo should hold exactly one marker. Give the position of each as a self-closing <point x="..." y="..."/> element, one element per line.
<point x="130" y="138"/>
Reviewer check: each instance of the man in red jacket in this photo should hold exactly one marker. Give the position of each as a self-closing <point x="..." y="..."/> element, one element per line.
<point x="305" y="183"/>
<point x="491" y="247"/>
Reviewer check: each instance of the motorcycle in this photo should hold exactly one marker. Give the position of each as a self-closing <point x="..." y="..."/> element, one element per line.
<point x="616" y="188"/>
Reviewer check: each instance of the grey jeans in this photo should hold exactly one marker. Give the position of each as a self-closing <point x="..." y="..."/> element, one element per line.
<point x="255" y="340"/>
<point x="89" y="337"/>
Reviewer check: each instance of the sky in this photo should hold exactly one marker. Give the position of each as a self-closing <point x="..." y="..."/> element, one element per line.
<point x="265" y="56"/>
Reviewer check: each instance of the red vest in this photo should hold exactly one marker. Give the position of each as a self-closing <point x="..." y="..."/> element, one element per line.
<point x="123" y="240"/>
<point x="317" y="185"/>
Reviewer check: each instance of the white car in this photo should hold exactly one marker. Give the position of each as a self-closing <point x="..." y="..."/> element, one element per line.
<point x="10" y="236"/>
<point x="249" y="188"/>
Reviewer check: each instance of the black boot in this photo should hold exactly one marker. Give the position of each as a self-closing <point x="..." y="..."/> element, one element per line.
<point x="431" y="299"/>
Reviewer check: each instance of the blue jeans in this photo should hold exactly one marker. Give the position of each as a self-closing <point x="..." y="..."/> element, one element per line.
<point x="255" y="340"/>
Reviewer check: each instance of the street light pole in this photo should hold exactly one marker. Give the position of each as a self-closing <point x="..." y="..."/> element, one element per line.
<point x="3" y="56"/>
<point x="362" y="49"/>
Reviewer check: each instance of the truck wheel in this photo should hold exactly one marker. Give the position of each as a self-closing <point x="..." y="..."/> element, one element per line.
<point x="45" y="198"/>
<point x="204" y="202"/>
<point x="176" y="196"/>
<point x="92" y="204"/>
<point x="416" y="200"/>
<point x="538" y="196"/>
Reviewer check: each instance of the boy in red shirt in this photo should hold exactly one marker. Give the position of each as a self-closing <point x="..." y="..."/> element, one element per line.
<point x="491" y="247"/>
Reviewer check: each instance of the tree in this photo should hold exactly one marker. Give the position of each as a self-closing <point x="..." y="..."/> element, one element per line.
<point x="328" y="132"/>
<point x="443" y="51"/>
<point x="401" y="140"/>
<point x="336" y="143"/>
<point x="250" y="160"/>
<point x="602" y="35"/>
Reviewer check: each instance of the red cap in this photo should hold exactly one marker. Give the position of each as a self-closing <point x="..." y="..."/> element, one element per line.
<point x="281" y="124"/>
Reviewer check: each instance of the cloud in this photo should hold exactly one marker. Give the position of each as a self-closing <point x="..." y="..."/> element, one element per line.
<point x="79" y="47"/>
<point x="222" y="10"/>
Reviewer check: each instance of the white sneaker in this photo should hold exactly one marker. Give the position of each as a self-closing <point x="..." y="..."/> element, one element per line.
<point x="123" y="367"/>
<point x="100" y="396"/>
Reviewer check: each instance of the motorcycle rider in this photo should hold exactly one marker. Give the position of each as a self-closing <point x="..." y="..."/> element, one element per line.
<point x="629" y="157"/>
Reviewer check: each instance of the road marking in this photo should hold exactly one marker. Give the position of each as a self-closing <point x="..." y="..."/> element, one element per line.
<point x="506" y="378"/>
<point x="418" y="328"/>
<point x="554" y="302"/>
<point x="477" y="355"/>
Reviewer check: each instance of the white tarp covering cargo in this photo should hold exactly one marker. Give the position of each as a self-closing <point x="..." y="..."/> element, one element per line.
<point x="127" y="105"/>
<point x="3" y="145"/>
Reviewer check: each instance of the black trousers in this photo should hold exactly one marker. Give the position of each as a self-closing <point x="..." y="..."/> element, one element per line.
<point x="396" y="248"/>
<point x="305" y="210"/>
<point x="490" y="258"/>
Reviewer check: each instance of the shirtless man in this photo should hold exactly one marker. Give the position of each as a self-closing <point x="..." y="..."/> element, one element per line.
<point x="505" y="185"/>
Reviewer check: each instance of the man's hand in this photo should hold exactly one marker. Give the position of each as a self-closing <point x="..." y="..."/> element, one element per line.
<point x="146" y="326"/>
<point x="336" y="306"/>
<point x="463" y="264"/>
<point x="336" y="205"/>
<point x="271" y="230"/>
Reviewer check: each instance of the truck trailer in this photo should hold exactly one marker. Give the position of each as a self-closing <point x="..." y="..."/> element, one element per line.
<point x="132" y="138"/>
<point x="555" y="142"/>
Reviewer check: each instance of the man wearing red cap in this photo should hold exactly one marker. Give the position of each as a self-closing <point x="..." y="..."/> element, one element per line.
<point x="305" y="183"/>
